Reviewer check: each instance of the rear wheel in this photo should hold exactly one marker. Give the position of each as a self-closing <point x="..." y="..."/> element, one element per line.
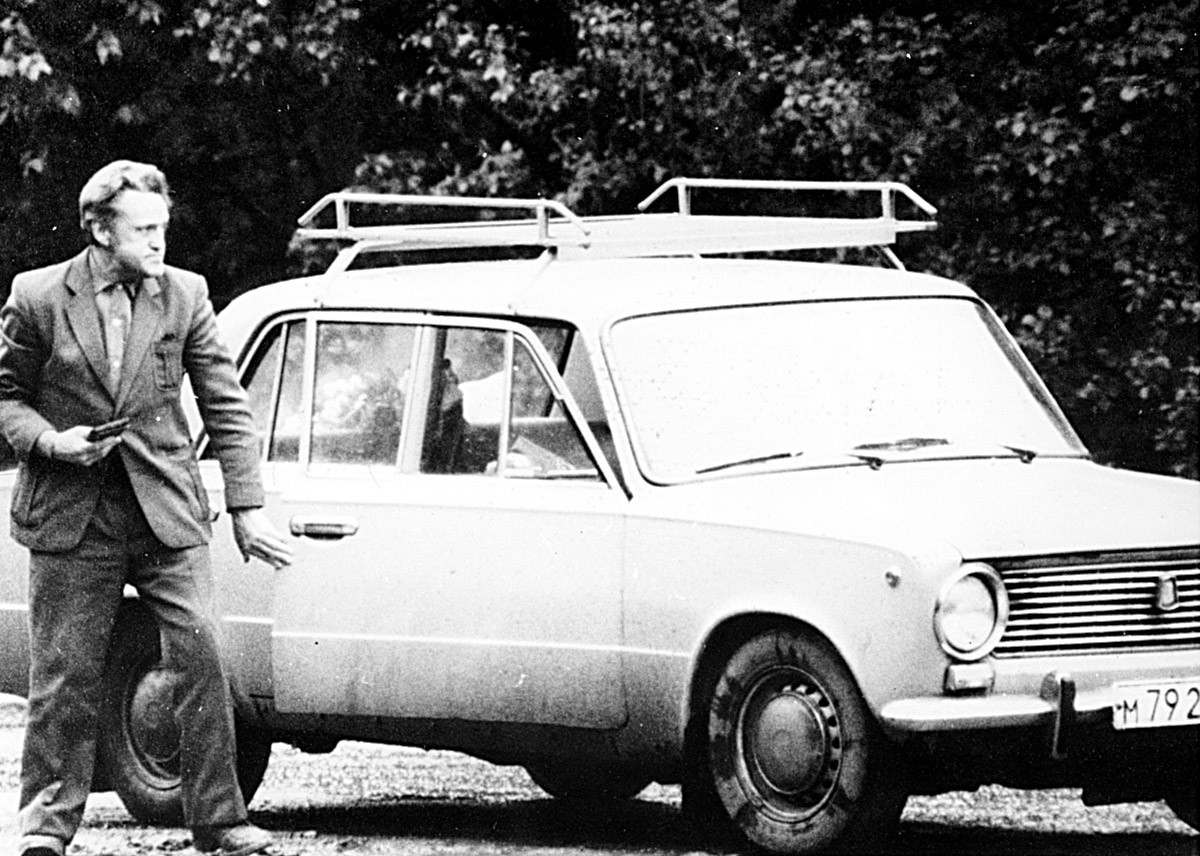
<point x="595" y="783"/>
<point x="137" y="745"/>
<point x="785" y="754"/>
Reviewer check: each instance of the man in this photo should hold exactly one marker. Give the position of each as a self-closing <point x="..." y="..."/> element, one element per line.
<point x="109" y="334"/>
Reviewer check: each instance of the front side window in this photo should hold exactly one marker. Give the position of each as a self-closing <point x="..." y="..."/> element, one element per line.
<point x="492" y="411"/>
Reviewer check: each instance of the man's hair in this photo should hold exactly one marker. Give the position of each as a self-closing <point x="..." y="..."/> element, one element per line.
<point x="97" y="197"/>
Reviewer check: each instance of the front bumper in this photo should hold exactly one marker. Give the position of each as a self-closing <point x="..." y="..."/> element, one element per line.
<point x="1022" y="692"/>
<point x="1061" y="738"/>
<point x="1072" y="695"/>
<point x="1057" y="700"/>
<point x="1059" y="708"/>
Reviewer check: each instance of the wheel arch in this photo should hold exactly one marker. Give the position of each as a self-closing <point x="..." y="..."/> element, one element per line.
<point x="133" y="609"/>
<point x="149" y="785"/>
<point x="720" y="643"/>
<point x="773" y="814"/>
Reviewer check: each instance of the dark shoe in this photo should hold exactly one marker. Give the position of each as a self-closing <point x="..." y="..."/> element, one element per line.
<point x="40" y="851"/>
<point x="239" y="840"/>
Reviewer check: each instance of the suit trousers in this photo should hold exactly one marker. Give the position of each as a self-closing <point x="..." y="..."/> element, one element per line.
<point x="74" y="597"/>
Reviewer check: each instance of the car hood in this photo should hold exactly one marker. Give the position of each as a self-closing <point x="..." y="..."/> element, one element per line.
<point x="982" y="508"/>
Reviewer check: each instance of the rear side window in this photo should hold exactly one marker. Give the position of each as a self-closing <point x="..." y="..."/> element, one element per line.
<point x="360" y="372"/>
<point x="288" y="414"/>
<point x="274" y="385"/>
<point x="359" y="391"/>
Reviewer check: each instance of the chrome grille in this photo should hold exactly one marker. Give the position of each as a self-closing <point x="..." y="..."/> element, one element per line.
<point x="1099" y="603"/>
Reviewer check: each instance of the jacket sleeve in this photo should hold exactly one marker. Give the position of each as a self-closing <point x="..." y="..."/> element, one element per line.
<point x="22" y="356"/>
<point x="223" y="404"/>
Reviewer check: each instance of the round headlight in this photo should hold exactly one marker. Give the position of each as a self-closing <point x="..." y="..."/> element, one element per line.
<point x="971" y="612"/>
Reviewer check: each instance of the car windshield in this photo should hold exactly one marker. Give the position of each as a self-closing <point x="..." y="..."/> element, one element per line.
<point x="810" y="384"/>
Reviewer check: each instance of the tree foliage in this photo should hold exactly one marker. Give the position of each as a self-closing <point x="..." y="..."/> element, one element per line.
<point x="1059" y="143"/>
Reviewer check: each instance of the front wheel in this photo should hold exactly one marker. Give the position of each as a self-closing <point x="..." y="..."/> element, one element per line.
<point x="785" y="754"/>
<point x="137" y="745"/>
<point x="1184" y="800"/>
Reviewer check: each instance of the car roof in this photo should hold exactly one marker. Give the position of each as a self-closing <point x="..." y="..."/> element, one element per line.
<point x="587" y="294"/>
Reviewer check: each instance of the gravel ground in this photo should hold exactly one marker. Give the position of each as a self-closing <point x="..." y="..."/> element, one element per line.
<point x="373" y="800"/>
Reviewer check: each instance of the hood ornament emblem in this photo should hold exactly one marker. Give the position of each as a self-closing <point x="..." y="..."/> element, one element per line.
<point x="1166" y="592"/>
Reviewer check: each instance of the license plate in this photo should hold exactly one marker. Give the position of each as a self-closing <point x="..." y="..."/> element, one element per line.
<point x="1150" y="704"/>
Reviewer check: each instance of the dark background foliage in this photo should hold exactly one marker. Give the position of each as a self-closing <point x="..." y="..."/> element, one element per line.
<point x="1058" y="140"/>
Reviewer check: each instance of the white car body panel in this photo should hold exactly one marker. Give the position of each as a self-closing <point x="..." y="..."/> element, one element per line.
<point x="505" y="607"/>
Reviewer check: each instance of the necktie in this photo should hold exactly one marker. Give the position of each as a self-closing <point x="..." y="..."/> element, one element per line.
<point x="116" y="330"/>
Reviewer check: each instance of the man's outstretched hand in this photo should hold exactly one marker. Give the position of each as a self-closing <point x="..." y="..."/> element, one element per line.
<point x="258" y="538"/>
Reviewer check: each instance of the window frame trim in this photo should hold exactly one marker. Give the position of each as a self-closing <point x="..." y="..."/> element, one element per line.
<point x="425" y="330"/>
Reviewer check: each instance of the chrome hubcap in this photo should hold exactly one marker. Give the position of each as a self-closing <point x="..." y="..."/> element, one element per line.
<point x="790" y="742"/>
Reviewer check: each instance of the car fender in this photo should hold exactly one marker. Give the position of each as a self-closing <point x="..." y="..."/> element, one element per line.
<point x="874" y="604"/>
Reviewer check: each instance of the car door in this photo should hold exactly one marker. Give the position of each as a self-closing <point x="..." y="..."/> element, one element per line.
<point x="447" y="565"/>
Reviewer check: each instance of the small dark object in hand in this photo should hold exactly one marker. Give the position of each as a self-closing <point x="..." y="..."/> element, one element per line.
<point x="108" y="429"/>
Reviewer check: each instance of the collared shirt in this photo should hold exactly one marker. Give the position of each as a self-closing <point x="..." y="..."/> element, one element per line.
<point x="114" y="302"/>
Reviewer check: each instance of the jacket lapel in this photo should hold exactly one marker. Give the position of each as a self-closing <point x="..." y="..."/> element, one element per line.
<point x="143" y="330"/>
<point x="83" y="317"/>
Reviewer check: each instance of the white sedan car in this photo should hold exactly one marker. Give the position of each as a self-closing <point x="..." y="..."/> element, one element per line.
<point x="804" y="537"/>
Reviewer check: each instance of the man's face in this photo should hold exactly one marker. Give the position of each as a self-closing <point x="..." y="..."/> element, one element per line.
<point x="136" y="238"/>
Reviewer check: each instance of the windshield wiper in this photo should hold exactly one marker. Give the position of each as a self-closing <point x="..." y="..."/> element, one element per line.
<point x="908" y="444"/>
<point x="911" y="444"/>
<point x="757" y="459"/>
<point x="863" y="452"/>
<point x="1026" y="455"/>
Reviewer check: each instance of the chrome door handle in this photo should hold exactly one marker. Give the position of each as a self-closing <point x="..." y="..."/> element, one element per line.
<point x="322" y="528"/>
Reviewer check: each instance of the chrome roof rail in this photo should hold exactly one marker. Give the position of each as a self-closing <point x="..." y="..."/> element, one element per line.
<point x="886" y="189"/>
<point x="555" y="228"/>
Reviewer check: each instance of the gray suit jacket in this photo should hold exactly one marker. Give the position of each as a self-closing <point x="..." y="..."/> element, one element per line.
<point x="54" y="374"/>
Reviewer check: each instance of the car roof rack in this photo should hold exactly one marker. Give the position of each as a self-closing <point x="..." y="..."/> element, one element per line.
<point x="552" y="226"/>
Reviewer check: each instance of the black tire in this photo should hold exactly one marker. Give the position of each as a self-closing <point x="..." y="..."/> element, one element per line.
<point x="582" y="783"/>
<point x="137" y="745"/>
<point x="1185" y="802"/>
<point x="785" y="756"/>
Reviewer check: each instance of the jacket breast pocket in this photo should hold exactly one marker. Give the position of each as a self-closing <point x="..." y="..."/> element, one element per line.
<point x="168" y="365"/>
